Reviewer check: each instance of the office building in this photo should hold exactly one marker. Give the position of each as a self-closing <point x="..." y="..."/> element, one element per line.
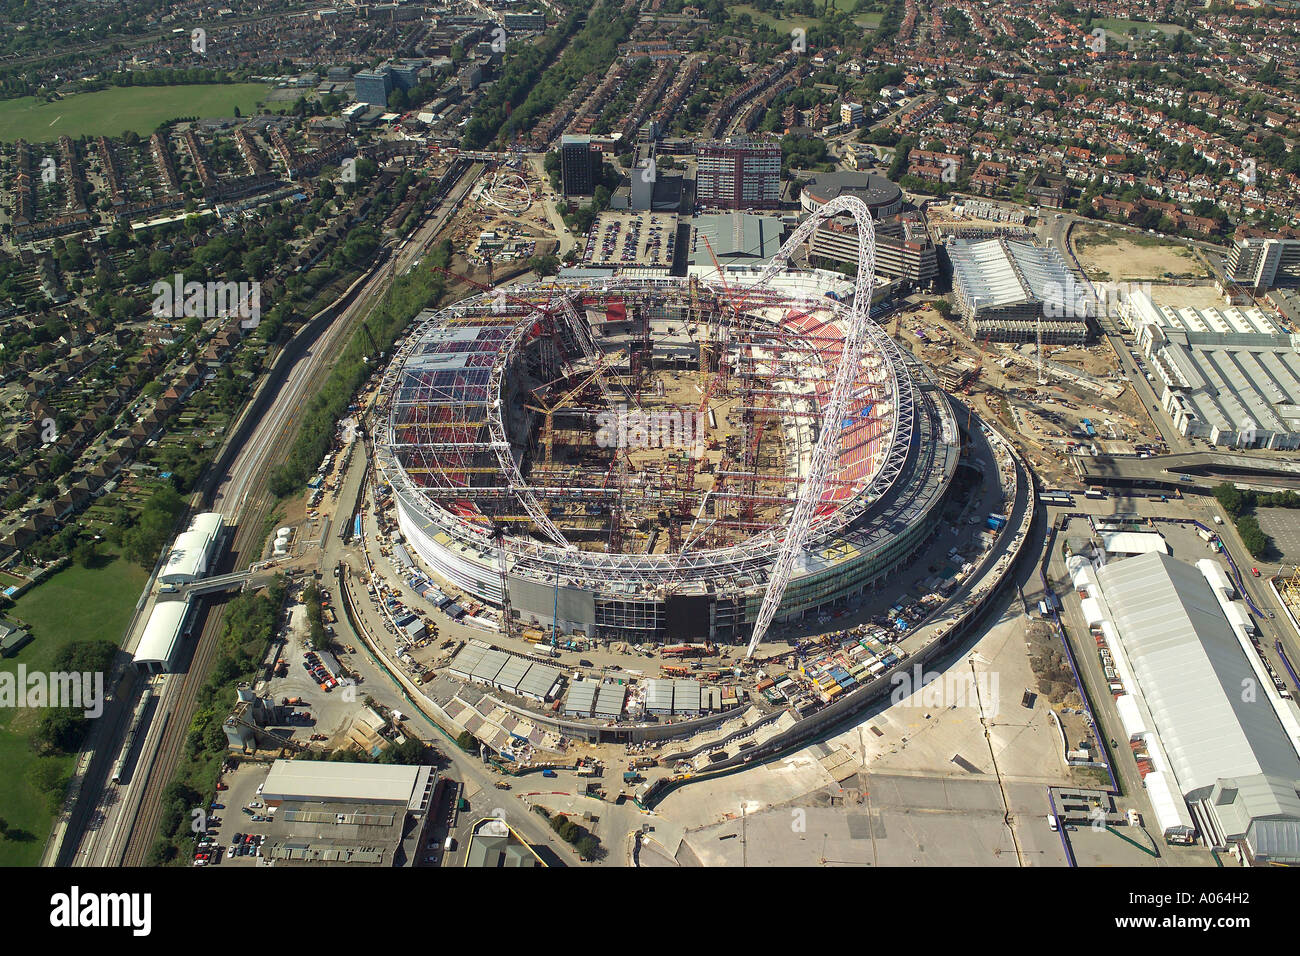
<point x="579" y="166"/>
<point x="1263" y="262"/>
<point x="738" y="174"/>
<point x="374" y="86"/>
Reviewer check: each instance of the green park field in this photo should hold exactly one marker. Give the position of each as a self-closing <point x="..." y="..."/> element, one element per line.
<point x="75" y="604"/>
<point x="117" y="110"/>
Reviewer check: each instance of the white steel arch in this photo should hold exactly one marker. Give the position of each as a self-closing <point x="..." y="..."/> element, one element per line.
<point x="855" y="341"/>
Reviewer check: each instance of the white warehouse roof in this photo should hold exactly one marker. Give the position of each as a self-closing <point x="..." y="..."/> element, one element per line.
<point x="1132" y="542"/>
<point x="1002" y="272"/>
<point x="318" y="781"/>
<point x="161" y="634"/>
<point x="1191" y="669"/>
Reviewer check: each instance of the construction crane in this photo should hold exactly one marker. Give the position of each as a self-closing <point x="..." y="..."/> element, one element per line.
<point x="507" y="624"/>
<point x="703" y="331"/>
<point x="1042" y="378"/>
<point x="548" y="429"/>
<point x="371" y="336"/>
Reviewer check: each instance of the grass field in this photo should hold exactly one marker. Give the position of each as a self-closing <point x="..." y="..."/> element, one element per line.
<point x="867" y="20"/>
<point x="75" y="604"/>
<point x="1121" y="27"/>
<point x="114" y="111"/>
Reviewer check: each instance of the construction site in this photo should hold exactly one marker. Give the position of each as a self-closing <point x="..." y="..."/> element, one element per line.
<point x="505" y="224"/>
<point x="652" y="460"/>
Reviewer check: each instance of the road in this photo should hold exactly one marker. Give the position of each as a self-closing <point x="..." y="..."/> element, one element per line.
<point x="122" y="823"/>
<point x="477" y="778"/>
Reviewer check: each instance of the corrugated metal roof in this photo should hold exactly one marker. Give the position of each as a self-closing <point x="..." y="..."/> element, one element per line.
<point x="538" y="681"/>
<point x="581" y="698"/>
<point x="609" y="700"/>
<point x="1004" y="272"/>
<point x="1191" y="670"/>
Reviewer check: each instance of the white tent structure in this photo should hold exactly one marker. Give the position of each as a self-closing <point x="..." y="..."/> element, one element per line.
<point x="1230" y="756"/>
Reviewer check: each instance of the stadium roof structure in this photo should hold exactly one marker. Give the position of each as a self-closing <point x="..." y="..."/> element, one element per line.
<point x="1226" y="747"/>
<point x="1000" y="273"/>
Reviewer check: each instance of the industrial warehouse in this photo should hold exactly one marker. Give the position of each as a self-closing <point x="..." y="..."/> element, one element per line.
<point x="623" y="459"/>
<point x="1215" y="744"/>
<point x="332" y="814"/>
<point x="1230" y="375"/>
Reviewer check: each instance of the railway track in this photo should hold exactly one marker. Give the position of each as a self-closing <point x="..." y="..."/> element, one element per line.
<point x="245" y="549"/>
<point x="253" y="505"/>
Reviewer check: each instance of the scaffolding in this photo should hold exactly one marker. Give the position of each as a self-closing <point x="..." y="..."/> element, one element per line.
<point x="814" y="410"/>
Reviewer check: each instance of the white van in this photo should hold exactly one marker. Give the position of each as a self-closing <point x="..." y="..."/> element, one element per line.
<point x="1051" y="821"/>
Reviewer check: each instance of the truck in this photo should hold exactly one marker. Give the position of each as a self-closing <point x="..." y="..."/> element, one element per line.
<point x="631" y="776"/>
<point x="997" y="522"/>
<point x="1096" y="491"/>
<point x="549" y="774"/>
<point x="1205" y="535"/>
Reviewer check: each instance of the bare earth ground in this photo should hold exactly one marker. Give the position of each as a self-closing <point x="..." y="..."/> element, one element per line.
<point x="1118" y="256"/>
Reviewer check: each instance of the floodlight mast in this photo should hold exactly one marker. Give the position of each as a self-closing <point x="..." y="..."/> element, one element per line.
<point x="855" y="341"/>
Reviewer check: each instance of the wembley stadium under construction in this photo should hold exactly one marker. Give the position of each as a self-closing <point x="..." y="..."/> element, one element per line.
<point x="665" y="459"/>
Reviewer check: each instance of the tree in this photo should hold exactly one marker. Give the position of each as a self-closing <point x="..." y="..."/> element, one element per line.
<point x="85" y="553"/>
<point x="1252" y="536"/>
<point x="467" y="742"/>
<point x="1230" y="498"/>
